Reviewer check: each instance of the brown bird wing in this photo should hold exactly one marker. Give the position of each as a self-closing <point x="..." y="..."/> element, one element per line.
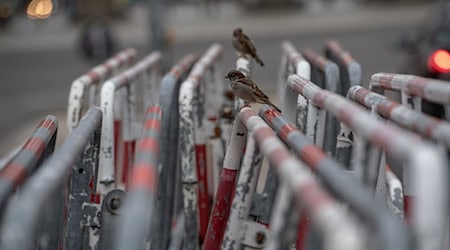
<point x="255" y="88"/>
<point x="247" y="45"/>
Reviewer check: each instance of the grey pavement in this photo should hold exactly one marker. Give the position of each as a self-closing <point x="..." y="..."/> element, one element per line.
<point x="193" y="29"/>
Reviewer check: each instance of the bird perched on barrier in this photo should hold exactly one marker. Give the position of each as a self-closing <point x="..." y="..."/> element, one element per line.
<point x="244" y="45"/>
<point x="247" y="90"/>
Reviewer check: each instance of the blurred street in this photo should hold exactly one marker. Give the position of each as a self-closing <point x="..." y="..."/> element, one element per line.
<point x="40" y="59"/>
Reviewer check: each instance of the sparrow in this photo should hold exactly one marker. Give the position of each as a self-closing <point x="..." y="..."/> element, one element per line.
<point x="247" y="90"/>
<point x="244" y="45"/>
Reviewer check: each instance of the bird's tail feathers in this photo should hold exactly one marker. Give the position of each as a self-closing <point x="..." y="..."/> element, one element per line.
<point x="274" y="106"/>
<point x="258" y="60"/>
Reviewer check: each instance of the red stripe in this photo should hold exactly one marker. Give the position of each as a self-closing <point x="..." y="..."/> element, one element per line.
<point x="128" y="160"/>
<point x="246" y="114"/>
<point x="346" y="114"/>
<point x="360" y="95"/>
<point x="94" y="198"/>
<point x="407" y="207"/>
<point x="176" y="72"/>
<point x="153" y="124"/>
<point x="302" y="233"/>
<point x="298" y="86"/>
<point x="277" y="156"/>
<point x="382" y="138"/>
<point x="148" y="145"/>
<point x="270" y="114"/>
<point x="204" y="204"/>
<point x="319" y="98"/>
<point x="109" y="68"/>
<point x="144" y="176"/>
<point x="36" y="145"/>
<point x="385" y="108"/>
<point x="312" y="155"/>
<point x="417" y="86"/>
<point x="154" y="109"/>
<point x="48" y="124"/>
<point x="95" y="78"/>
<point x="313" y="196"/>
<point x="286" y="129"/>
<point x="220" y="213"/>
<point x="117" y="133"/>
<point x="14" y="172"/>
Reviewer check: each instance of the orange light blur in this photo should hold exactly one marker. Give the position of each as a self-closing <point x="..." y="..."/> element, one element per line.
<point x="440" y="61"/>
<point x="40" y="9"/>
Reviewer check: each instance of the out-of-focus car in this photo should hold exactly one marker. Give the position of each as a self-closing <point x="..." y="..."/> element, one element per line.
<point x="428" y="47"/>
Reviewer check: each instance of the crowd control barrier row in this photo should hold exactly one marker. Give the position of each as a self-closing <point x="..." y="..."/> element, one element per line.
<point x="425" y="211"/>
<point x="197" y="112"/>
<point x="24" y="217"/>
<point x="134" y="231"/>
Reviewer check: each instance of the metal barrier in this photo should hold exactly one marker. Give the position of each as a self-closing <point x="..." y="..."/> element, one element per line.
<point x="293" y="63"/>
<point x="426" y="212"/>
<point x="22" y="222"/>
<point x="165" y="202"/>
<point x="390" y="232"/>
<point x="350" y="75"/>
<point x="139" y="201"/>
<point x="413" y="89"/>
<point x="93" y="80"/>
<point x="36" y="149"/>
<point x="326" y="74"/>
<point x="193" y="132"/>
<point x="423" y="124"/>
<point x="112" y="174"/>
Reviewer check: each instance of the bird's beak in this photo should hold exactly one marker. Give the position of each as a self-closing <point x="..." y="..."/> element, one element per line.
<point x="227" y="77"/>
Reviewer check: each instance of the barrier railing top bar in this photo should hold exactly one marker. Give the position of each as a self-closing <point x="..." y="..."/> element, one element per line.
<point x="293" y="55"/>
<point x="94" y="77"/>
<point x="130" y="74"/>
<point x="26" y="160"/>
<point x="424" y="124"/>
<point x="316" y="59"/>
<point x="429" y="89"/>
<point x="393" y="234"/>
<point x="138" y="210"/>
<point x="212" y="54"/>
<point x="400" y="144"/>
<point x="22" y="218"/>
<point x="339" y="230"/>
<point x="342" y="55"/>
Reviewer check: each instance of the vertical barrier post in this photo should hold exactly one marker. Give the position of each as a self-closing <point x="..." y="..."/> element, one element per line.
<point x="193" y="156"/>
<point x="221" y="208"/>
<point x="327" y="75"/>
<point x="243" y="197"/>
<point x="165" y="202"/>
<point x="350" y="75"/>
<point x="139" y="206"/>
<point x="107" y="180"/>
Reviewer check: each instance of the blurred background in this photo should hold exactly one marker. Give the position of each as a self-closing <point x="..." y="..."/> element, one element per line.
<point x="45" y="44"/>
